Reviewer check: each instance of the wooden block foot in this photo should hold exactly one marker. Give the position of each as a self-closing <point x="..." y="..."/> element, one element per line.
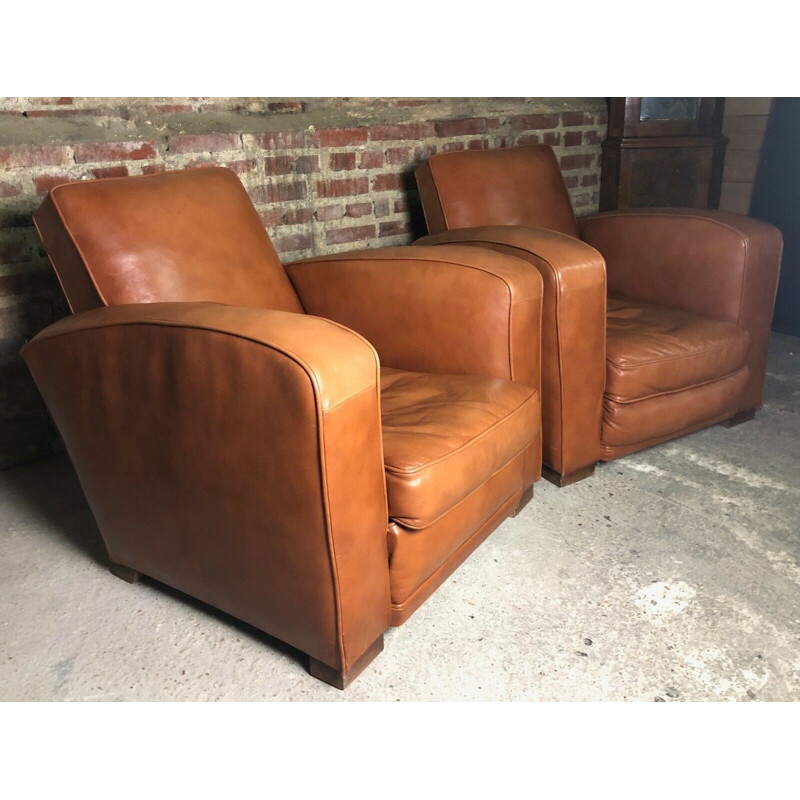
<point x="571" y="477"/>
<point x="738" y="419"/>
<point x="339" y="679"/>
<point x="126" y="573"/>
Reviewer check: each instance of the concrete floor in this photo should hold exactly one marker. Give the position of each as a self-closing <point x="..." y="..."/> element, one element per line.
<point x="672" y="574"/>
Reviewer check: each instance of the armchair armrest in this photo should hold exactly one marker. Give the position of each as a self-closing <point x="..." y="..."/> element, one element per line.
<point x="573" y="334"/>
<point x="234" y="454"/>
<point x="447" y="310"/>
<point x="713" y="263"/>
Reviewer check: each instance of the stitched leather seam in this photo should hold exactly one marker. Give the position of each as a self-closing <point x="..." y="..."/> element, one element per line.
<point x="413" y="470"/>
<point x="668" y="359"/>
<point x="617" y="398"/>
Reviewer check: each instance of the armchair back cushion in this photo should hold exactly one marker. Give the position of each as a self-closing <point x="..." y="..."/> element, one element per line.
<point x="515" y="186"/>
<point x="178" y="237"/>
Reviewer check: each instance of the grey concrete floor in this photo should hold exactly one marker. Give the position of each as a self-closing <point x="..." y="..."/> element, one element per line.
<point x="672" y="574"/>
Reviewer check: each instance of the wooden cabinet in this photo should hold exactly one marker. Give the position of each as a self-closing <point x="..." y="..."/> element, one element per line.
<point x="663" y="152"/>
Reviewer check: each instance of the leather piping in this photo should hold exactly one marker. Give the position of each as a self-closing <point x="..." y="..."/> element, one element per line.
<point x="617" y="399"/>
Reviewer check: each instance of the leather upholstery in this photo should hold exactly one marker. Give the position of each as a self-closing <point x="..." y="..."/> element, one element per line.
<point x="234" y="448"/>
<point x="221" y="449"/>
<point x="667" y="374"/>
<point x="444" y="435"/>
<point x="651" y="350"/>
<point x="712" y="263"/>
<point x="177" y="236"/>
<point x="572" y="338"/>
<point x="411" y="304"/>
<point x="513" y="186"/>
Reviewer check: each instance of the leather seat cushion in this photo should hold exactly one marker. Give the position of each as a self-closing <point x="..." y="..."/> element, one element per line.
<point x="651" y="350"/>
<point x="445" y="435"/>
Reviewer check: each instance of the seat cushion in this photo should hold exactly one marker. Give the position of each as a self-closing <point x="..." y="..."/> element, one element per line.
<point x="652" y="350"/>
<point x="445" y="435"/>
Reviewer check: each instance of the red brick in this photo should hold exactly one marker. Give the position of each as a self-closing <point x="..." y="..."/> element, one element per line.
<point x="381" y="207"/>
<point x="592" y="137"/>
<point x="342" y="161"/>
<point x="278" y="192"/>
<point x="413" y="130"/>
<point x="171" y="108"/>
<point x="359" y="209"/>
<point x="204" y="143"/>
<point x="534" y="122"/>
<point x="478" y="144"/>
<point x="327" y="213"/>
<point x="397" y="155"/>
<point x="297" y="241"/>
<point x="8" y="189"/>
<point x="387" y="182"/>
<point x="445" y="128"/>
<point x="400" y="205"/>
<point x="553" y="138"/>
<point x="452" y="146"/>
<point x="306" y="164"/>
<point x="344" y="235"/>
<point x="44" y="183"/>
<point x="29" y="156"/>
<point x="152" y="169"/>
<point x="278" y="140"/>
<point x="114" y="151"/>
<point x="576" y="162"/>
<point x="340" y="137"/>
<point x="572" y="119"/>
<point x="394" y="227"/>
<point x="529" y="138"/>
<point x="492" y="124"/>
<point x="572" y="138"/>
<point x="343" y="187"/>
<point x="110" y="172"/>
<point x="272" y="217"/>
<point x="299" y="216"/>
<point x="278" y="165"/>
<point x="589" y="180"/>
<point x="59" y="112"/>
<point x="240" y="167"/>
<point x="571" y="181"/>
<point x="371" y="159"/>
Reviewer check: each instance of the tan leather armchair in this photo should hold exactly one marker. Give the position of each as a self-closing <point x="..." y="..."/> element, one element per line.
<point x="655" y="322"/>
<point x="262" y="459"/>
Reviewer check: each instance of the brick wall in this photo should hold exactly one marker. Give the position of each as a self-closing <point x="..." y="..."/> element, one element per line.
<point x="744" y="123"/>
<point x="325" y="175"/>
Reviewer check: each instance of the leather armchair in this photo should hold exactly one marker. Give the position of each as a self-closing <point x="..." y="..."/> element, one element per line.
<point x="655" y="322"/>
<point x="264" y="460"/>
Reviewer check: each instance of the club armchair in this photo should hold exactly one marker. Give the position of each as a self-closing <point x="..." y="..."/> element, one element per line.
<point x="261" y="459"/>
<point x="655" y="322"/>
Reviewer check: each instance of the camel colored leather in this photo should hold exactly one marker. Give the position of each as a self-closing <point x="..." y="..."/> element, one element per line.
<point x="470" y="427"/>
<point x="231" y="445"/>
<point x="572" y="338"/>
<point x="411" y="304"/>
<point x="712" y="263"/>
<point x="666" y="374"/>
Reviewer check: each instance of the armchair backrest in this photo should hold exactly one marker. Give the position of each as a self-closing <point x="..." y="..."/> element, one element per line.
<point x="183" y="236"/>
<point x="510" y="186"/>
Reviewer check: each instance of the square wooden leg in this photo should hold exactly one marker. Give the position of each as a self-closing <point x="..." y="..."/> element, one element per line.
<point x="571" y="477"/>
<point x="126" y="573"/>
<point x="339" y="679"/>
<point x="738" y="419"/>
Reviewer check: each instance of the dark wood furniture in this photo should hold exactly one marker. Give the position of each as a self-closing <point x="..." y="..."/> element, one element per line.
<point x="663" y="152"/>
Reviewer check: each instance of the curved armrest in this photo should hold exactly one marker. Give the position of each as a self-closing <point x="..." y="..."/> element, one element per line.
<point x="453" y="310"/>
<point x="573" y="334"/>
<point x="713" y="263"/>
<point x="234" y="454"/>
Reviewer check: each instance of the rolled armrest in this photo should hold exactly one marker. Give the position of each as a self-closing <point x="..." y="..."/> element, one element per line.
<point x="714" y="263"/>
<point x="446" y="310"/>
<point x="235" y="454"/>
<point x="573" y="333"/>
